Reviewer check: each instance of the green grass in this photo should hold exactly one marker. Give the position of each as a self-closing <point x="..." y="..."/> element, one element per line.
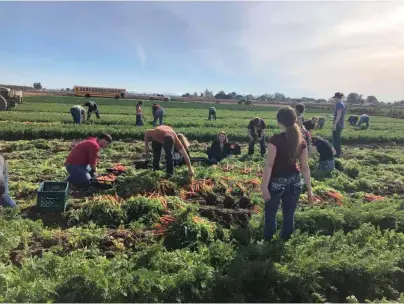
<point x="106" y="250"/>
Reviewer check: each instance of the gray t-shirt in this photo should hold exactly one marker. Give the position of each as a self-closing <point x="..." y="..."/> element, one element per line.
<point x="340" y="106"/>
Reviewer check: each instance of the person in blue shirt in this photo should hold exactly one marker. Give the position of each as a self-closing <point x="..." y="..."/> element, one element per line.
<point x="338" y="123"/>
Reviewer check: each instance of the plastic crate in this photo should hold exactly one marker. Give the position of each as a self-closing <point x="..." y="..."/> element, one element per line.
<point x="53" y="196"/>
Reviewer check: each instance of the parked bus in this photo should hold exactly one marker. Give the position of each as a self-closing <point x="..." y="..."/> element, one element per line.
<point x="99" y="92"/>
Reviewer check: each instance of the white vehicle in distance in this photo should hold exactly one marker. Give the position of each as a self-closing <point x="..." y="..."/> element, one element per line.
<point x="160" y="97"/>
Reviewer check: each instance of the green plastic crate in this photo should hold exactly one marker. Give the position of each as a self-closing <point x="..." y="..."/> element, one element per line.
<point x="53" y="196"/>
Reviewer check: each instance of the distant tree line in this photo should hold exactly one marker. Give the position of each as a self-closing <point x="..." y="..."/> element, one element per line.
<point x="351" y="98"/>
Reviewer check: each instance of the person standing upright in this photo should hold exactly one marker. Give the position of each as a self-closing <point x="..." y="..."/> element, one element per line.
<point x="139" y="113"/>
<point x="338" y="123"/>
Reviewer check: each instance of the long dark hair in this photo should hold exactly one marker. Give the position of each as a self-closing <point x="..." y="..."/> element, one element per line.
<point x="287" y="117"/>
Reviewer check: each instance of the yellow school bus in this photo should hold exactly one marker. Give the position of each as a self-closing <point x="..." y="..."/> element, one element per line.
<point x="99" y="92"/>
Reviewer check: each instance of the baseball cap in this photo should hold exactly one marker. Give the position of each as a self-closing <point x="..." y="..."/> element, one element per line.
<point x="338" y="95"/>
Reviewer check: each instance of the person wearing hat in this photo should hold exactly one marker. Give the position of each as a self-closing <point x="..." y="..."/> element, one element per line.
<point x="212" y="113"/>
<point x="256" y="131"/>
<point x="92" y="108"/>
<point x="338" y="122"/>
<point x="81" y="163"/>
<point x="5" y="199"/>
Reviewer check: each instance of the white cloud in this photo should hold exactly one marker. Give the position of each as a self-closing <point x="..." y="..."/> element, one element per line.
<point x="327" y="47"/>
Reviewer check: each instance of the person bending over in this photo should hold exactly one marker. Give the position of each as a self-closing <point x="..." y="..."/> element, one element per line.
<point x="281" y="177"/>
<point x="256" y="131"/>
<point x="158" y="114"/>
<point x="324" y="148"/>
<point x="165" y="136"/>
<point x="212" y="113"/>
<point x="5" y="199"/>
<point x="219" y="149"/>
<point x="364" y="119"/>
<point x="81" y="164"/>
<point x="92" y="108"/>
<point x="79" y="114"/>
<point x="353" y="120"/>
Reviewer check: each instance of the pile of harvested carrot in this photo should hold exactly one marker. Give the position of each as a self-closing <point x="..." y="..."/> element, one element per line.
<point x="165" y="222"/>
<point x="106" y="178"/>
<point x="117" y="169"/>
<point x="325" y="196"/>
<point x="372" y="197"/>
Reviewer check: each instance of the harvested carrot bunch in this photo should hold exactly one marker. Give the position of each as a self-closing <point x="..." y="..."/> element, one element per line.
<point x="106" y="178"/>
<point x="164" y="222"/>
<point x="227" y="168"/>
<point x="372" y="197"/>
<point x="117" y="169"/>
<point x="325" y="196"/>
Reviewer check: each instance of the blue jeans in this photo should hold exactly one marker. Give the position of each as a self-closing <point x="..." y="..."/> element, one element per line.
<point x="76" y="115"/>
<point x="336" y="140"/>
<point x="168" y="149"/>
<point x="79" y="174"/>
<point x="139" y="121"/>
<point x="5" y="199"/>
<point x="159" y="114"/>
<point x="363" y="120"/>
<point x="251" y="145"/>
<point x="288" y="192"/>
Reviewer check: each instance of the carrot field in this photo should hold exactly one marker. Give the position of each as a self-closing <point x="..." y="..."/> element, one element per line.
<point x="149" y="239"/>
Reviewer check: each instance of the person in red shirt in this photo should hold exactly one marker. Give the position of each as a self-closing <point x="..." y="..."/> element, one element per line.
<point x="81" y="163"/>
<point x="165" y="136"/>
<point x="281" y="177"/>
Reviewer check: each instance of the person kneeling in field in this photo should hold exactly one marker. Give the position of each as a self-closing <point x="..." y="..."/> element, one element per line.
<point x="81" y="164"/>
<point x="165" y="136"/>
<point x="256" y="131"/>
<point x="364" y="119"/>
<point x="79" y="114"/>
<point x="92" y="108"/>
<point x="5" y="199"/>
<point x="324" y="148"/>
<point x="281" y="177"/>
<point x="219" y="149"/>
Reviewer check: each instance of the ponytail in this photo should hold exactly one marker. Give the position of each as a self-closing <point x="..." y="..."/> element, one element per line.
<point x="294" y="140"/>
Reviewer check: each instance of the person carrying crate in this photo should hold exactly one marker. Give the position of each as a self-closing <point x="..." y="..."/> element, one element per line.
<point x="92" y="108"/>
<point x="79" y="114"/>
<point x="81" y="163"/>
<point x="5" y="199"/>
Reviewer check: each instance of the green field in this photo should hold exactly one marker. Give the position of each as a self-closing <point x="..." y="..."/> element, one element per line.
<point x="105" y="248"/>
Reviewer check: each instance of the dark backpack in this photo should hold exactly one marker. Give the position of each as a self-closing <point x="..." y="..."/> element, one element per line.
<point x="235" y="149"/>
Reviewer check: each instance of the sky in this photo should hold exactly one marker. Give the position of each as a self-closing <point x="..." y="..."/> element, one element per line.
<point x="301" y="49"/>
